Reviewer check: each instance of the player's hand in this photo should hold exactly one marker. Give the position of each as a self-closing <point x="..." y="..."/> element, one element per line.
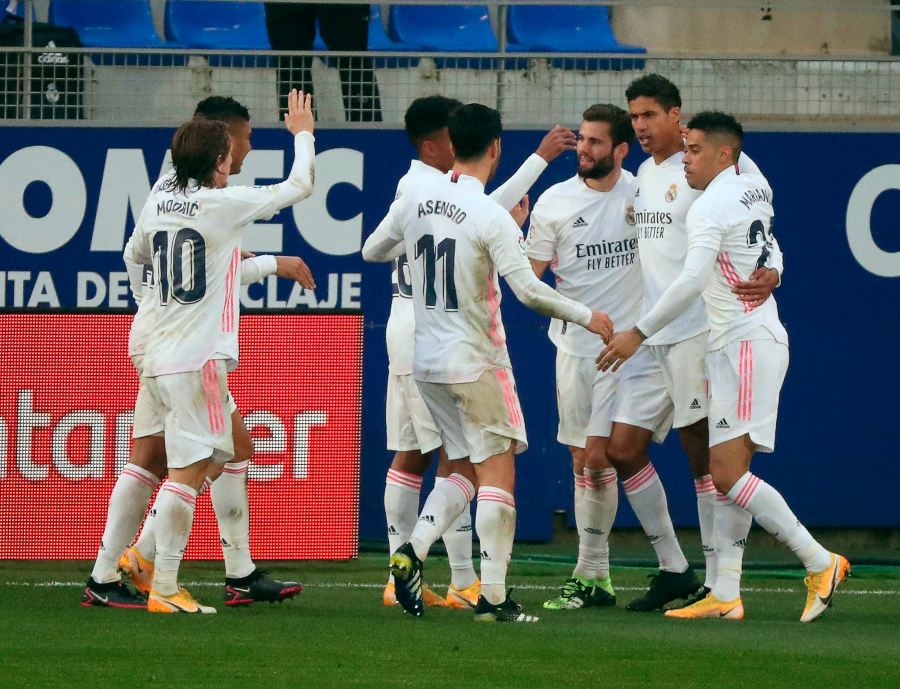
<point x="520" y="211"/>
<point x="619" y="348"/>
<point x="556" y="142"/>
<point x="247" y="254"/>
<point x="299" y="117"/>
<point x="758" y="287"/>
<point x="294" y="268"/>
<point x="601" y="325"/>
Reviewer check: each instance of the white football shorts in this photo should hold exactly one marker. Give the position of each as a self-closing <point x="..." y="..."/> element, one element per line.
<point x="149" y="420"/>
<point x="479" y="419"/>
<point x="192" y="409"/>
<point x="409" y="423"/>
<point x="642" y="399"/>
<point x="584" y="397"/>
<point x="745" y="380"/>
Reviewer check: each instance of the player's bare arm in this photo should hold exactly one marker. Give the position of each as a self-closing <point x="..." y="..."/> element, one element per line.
<point x="556" y="142"/>
<point x="294" y="268"/>
<point x="539" y="267"/>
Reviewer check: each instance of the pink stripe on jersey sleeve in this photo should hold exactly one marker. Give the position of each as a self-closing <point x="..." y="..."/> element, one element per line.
<point x="494" y="306"/>
<point x="230" y="284"/>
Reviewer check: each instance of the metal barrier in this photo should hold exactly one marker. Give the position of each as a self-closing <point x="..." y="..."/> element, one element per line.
<point x="105" y="87"/>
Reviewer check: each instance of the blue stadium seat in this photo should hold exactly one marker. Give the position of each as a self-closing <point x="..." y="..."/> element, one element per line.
<point x="217" y="25"/>
<point x="563" y="28"/>
<point x="447" y="28"/>
<point x="109" y="23"/>
<point x="378" y="38"/>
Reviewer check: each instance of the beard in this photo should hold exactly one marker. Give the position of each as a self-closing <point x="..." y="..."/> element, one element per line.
<point x="494" y="167"/>
<point x="600" y="169"/>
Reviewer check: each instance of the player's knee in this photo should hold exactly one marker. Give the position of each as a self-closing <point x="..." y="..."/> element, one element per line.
<point x="243" y="446"/>
<point x="149" y="453"/>
<point x="623" y="456"/>
<point x="724" y="475"/>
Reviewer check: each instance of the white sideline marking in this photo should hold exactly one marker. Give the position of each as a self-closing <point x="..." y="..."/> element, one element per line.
<point x="527" y="587"/>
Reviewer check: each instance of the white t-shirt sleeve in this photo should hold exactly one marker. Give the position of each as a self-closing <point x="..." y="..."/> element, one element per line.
<point x="247" y="204"/>
<point x="386" y="242"/>
<point x="542" y="235"/>
<point x="514" y="189"/>
<point x="255" y="268"/>
<point x="505" y="244"/>
<point x="705" y="231"/>
<point x="137" y="255"/>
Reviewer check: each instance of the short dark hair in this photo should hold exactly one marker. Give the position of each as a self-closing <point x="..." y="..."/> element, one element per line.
<point x="722" y="124"/>
<point x="222" y="108"/>
<point x="657" y="87"/>
<point x="472" y="129"/>
<point x="620" y="129"/>
<point x="428" y="115"/>
<point x="196" y="148"/>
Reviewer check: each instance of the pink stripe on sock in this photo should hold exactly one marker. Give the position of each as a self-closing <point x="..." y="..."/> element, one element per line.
<point x="704" y="486"/>
<point x="746" y="493"/>
<point x="606" y="479"/>
<point x="465" y="486"/>
<point x="187" y="497"/>
<point x="404" y="479"/>
<point x="721" y="497"/>
<point x="140" y="477"/>
<point x="229" y="470"/>
<point x="579" y="481"/>
<point x="639" y="479"/>
<point x="492" y="496"/>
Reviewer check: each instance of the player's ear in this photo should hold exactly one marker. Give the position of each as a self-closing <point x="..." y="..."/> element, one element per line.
<point x="620" y="152"/>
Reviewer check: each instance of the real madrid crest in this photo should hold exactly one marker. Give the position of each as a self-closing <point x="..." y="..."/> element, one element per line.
<point x="672" y="193"/>
<point x="629" y="215"/>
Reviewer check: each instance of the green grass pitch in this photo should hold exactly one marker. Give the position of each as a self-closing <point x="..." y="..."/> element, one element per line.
<point x="337" y="634"/>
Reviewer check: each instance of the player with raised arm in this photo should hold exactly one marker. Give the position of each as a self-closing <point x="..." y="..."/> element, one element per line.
<point x="673" y="391"/>
<point x="411" y="432"/>
<point x="458" y="242"/>
<point x="730" y="236"/>
<point x="191" y="229"/>
<point x="244" y="583"/>
<point x="583" y="230"/>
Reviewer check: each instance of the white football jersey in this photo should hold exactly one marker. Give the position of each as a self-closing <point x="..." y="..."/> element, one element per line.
<point x="661" y="204"/>
<point x="253" y="269"/>
<point x="734" y="217"/>
<point x="458" y="242"/>
<point x="590" y="238"/>
<point x="401" y="325"/>
<point x="193" y="239"/>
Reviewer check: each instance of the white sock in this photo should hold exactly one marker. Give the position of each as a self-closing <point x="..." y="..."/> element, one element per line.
<point x="706" y="511"/>
<point x="600" y="503"/>
<point x="458" y="542"/>
<point x="146" y="542"/>
<point x="495" y="522"/>
<point x="645" y="493"/>
<point x="445" y="503"/>
<point x="732" y="528"/>
<point x="232" y="508"/>
<point x="174" y="518"/>
<point x="401" y="506"/>
<point x="127" y="504"/>
<point x="772" y="513"/>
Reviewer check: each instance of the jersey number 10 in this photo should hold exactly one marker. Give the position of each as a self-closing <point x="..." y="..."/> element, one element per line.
<point x="188" y="252"/>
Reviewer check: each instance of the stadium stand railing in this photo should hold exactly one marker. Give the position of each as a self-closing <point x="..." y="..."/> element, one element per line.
<point x="134" y="76"/>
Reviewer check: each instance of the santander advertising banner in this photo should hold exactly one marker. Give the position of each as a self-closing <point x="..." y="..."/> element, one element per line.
<point x="67" y="390"/>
